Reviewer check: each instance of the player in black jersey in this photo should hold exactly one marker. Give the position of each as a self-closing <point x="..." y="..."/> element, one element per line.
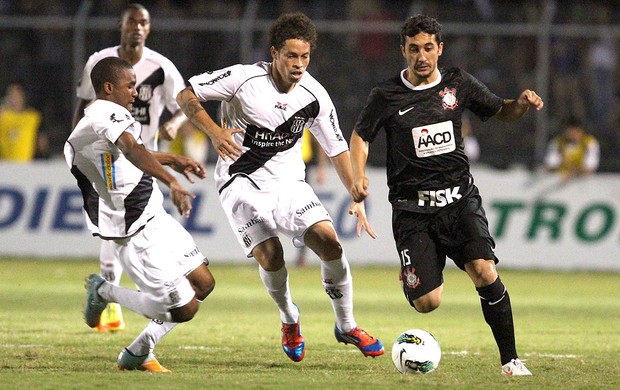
<point x="437" y="210"/>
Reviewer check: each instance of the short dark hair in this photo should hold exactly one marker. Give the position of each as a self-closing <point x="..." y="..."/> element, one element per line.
<point x="420" y="24"/>
<point x="107" y="70"/>
<point x="133" y="6"/>
<point x="292" y="26"/>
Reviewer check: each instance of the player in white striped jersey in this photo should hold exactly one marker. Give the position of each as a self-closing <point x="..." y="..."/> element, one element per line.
<point x="260" y="172"/>
<point x="158" y="82"/>
<point x="123" y="205"/>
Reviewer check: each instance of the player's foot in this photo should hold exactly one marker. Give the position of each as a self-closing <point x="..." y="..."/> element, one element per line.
<point x="95" y="305"/>
<point x="369" y="345"/>
<point x="293" y="342"/>
<point x="515" y="367"/>
<point x="128" y="361"/>
<point x="111" y="319"/>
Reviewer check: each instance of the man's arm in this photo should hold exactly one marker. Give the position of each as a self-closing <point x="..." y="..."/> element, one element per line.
<point x="221" y="139"/>
<point x="359" y="157"/>
<point x="148" y="163"/>
<point x="181" y="164"/>
<point x="513" y="109"/>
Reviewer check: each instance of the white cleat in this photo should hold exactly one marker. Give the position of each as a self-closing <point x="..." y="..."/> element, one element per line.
<point x="515" y="367"/>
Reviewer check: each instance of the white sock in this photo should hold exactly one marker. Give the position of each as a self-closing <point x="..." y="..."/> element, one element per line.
<point x="154" y="331"/>
<point x="142" y="303"/>
<point x="338" y="284"/>
<point x="276" y="284"/>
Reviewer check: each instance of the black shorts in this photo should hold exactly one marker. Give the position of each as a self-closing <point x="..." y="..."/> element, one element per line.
<point x="459" y="231"/>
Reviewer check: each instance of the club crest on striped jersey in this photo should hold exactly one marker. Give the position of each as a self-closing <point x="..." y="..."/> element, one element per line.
<point x="145" y="93"/>
<point x="298" y="124"/>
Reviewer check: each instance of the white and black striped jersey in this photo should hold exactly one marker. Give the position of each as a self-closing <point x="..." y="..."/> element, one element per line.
<point x="274" y="122"/>
<point x="426" y="165"/>
<point x="119" y="199"/>
<point x="157" y="81"/>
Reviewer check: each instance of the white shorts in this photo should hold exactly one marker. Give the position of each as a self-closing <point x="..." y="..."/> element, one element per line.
<point x="256" y="215"/>
<point x="158" y="258"/>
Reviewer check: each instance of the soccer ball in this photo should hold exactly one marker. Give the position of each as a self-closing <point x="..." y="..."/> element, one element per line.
<point x="416" y="350"/>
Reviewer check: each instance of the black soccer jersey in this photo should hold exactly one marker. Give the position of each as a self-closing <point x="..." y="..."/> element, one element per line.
<point x="426" y="165"/>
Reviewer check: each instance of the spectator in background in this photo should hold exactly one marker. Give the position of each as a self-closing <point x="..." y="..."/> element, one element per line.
<point x="19" y="125"/>
<point x="573" y="153"/>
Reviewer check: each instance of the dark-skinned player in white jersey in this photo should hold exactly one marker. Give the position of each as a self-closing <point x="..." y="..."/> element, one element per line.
<point x="437" y="210"/>
<point x="260" y="171"/>
<point x="158" y="82"/>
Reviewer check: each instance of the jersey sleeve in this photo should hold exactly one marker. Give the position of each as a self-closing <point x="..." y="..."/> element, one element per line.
<point x="113" y="122"/>
<point x="326" y="127"/>
<point x="370" y="120"/>
<point x="173" y="84"/>
<point x="85" y="89"/>
<point x="218" y="85"/>
<point x="482" y="101"/>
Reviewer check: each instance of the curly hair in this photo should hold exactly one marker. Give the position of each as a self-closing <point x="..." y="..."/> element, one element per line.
<point x="420" y="24"/>
<point x="292" y="26"/>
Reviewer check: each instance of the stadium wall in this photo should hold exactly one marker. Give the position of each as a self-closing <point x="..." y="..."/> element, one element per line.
<point x="538" y="222"/>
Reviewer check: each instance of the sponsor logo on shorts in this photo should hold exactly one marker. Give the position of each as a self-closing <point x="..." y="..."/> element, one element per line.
<point x="309" y="206"/>
<point x="193" y="252"/>
<point x="250" y="223"/>
<point x="439" y="198"/>
<point x="410" y="279"/>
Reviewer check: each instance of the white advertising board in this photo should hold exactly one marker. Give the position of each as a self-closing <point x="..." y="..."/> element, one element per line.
<point x="536" y="221"/>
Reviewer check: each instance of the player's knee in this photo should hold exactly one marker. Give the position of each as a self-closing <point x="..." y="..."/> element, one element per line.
<point x="425" y="305"/>
<point x="204" y="289"/>
<point x="185" y="313"/>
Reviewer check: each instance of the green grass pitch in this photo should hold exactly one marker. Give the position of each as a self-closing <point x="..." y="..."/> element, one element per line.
<point x="567" y="329"/>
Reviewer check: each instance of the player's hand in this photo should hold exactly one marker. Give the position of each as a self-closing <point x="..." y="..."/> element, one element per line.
<point x="186" y="165"/>
<point x="168" y="131"/>
<point x="359" y="189"/>
<point x="225" y="145"/>
<point x="358" y="209"/>
<point x="529" y="98"/>
<point x="181" y="198"/>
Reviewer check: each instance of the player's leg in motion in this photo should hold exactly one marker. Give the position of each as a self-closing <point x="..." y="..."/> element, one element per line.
<point x="497" y="312"/>
<point x="272" y="269"/>
<point x="111" y="270"/>
<point x="338" y="284"/>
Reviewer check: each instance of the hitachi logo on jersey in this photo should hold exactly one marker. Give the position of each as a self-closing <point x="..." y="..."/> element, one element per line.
<point x="439" y="198"/>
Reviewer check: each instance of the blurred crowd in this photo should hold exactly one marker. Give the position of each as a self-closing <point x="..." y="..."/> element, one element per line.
<point x="582" y="73"/>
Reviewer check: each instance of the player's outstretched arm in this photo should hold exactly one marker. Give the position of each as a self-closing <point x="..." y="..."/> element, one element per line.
<point x="169" y="129"/>
<point x="222" y="139"/>
<point x="513" y="109"/>
<point x="359" y="156"/>
<point x="181" y="164"/>
<point x="140" y="157"/>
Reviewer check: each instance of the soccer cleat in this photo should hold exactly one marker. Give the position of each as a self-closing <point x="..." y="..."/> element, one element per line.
<point x="111" y="319"/>
<point x="369" y="345"/>
<point x="95" y="305"/>
<point x="293" y="342"/>
<point x="128" y="361"/>
<point x="515" y="367"/>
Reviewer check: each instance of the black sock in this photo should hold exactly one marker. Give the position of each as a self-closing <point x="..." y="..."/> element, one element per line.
<point x="497" y="313"/>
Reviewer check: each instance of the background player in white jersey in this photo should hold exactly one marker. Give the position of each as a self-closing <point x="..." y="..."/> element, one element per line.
<point x="123" y="205"/>
<point x="158" y="82"/>
<point x="437" y="210"/>
<point x="260" y="172"/>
